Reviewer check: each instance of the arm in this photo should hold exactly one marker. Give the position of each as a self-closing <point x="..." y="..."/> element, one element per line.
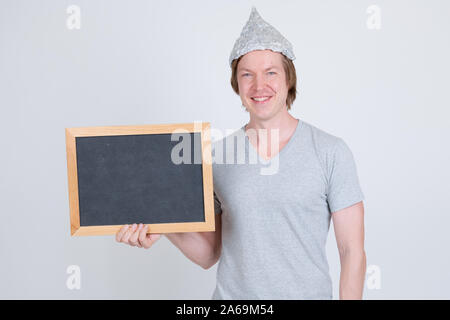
<point x="349" y="230"/>
<point x="202" y="248"/>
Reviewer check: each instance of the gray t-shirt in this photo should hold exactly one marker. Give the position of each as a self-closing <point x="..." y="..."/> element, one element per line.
<point x="275" y="226"/>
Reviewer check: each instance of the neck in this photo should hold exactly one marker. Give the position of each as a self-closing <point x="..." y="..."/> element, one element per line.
<point x="283" y="121"/>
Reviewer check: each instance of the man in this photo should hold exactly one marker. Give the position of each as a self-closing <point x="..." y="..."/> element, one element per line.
<point x="275" y="225"/>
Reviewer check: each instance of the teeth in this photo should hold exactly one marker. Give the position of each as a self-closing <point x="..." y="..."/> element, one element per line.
<point x="260" y="99"/>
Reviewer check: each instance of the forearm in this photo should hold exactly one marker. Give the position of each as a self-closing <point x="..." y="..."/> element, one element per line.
<point x="353" y="271"/>
<point x="196" y="246"/>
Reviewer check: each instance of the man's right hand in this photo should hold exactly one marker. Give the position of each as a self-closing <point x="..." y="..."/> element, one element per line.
<point x="136" y="236"/>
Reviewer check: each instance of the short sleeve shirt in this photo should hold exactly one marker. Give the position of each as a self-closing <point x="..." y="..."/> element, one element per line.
<point x="276" y="214"/>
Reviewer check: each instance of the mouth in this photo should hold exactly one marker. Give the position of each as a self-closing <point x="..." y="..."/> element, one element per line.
<point x="261" y="99"/>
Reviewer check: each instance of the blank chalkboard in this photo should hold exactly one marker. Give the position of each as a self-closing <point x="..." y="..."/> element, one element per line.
<point x="132" y="174"/>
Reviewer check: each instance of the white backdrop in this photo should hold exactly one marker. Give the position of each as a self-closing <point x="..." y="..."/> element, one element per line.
<point x="375" y="73"/>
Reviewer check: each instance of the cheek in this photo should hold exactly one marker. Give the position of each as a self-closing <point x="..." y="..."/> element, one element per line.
<point x="277" y="86"/>
<point x="281" y="90"/>
<point x="243" y="88"/>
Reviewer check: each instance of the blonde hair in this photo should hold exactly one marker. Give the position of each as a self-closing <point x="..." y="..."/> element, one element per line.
<point x="291" y="78"/>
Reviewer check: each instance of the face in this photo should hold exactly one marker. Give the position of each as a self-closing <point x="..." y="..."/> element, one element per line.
<point x="262" y="84"/>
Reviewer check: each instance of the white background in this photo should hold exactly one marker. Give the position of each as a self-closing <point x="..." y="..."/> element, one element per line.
<point x="385" y="92"/>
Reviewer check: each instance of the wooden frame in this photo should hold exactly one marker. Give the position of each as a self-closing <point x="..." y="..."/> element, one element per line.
<point x="202" y="127"/>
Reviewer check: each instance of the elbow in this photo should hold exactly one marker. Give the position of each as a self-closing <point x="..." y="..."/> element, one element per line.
<point x="211" y="262"/>
<point x="345" y="250"/>
<point x="207" y="266"/>
<point x="353" y="254"/>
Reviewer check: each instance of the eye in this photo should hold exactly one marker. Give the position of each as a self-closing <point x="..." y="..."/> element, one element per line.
<point x="245" y="74"/>
<point x="272" y="73"/>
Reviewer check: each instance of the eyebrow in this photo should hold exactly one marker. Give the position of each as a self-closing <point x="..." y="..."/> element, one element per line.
<point x="271" y="67"/>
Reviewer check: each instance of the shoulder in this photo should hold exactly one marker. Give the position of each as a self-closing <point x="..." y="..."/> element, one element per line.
<point x="330" y="150"/>
<point x="323" y="142"/>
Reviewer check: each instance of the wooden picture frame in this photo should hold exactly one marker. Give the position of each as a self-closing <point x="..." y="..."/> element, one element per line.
<point x="208" y="200"/>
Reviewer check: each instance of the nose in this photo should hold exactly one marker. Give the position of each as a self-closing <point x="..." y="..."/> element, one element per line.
<point x="259" y="82"/>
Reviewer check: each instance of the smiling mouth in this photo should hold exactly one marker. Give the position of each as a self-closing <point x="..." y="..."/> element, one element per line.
<point x="261" y="100"/>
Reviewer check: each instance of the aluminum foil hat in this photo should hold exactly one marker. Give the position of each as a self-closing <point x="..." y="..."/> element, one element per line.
<point x="257" y="34"/>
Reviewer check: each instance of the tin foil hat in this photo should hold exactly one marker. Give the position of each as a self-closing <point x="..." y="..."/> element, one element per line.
<point x="257" y="34"/>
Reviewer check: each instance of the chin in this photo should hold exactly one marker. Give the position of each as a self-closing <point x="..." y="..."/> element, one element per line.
<point x="263" y="113"/>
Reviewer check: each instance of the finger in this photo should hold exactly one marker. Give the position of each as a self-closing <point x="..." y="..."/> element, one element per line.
<point x="134" y="236"/>
<point x="128" y="233"/>
<point x="121" y="232"/>
<point x="143" y="237"/>
<point x="138" y="232"/>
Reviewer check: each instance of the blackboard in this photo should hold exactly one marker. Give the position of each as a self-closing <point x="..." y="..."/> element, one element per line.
<point x="159" y="175"/>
